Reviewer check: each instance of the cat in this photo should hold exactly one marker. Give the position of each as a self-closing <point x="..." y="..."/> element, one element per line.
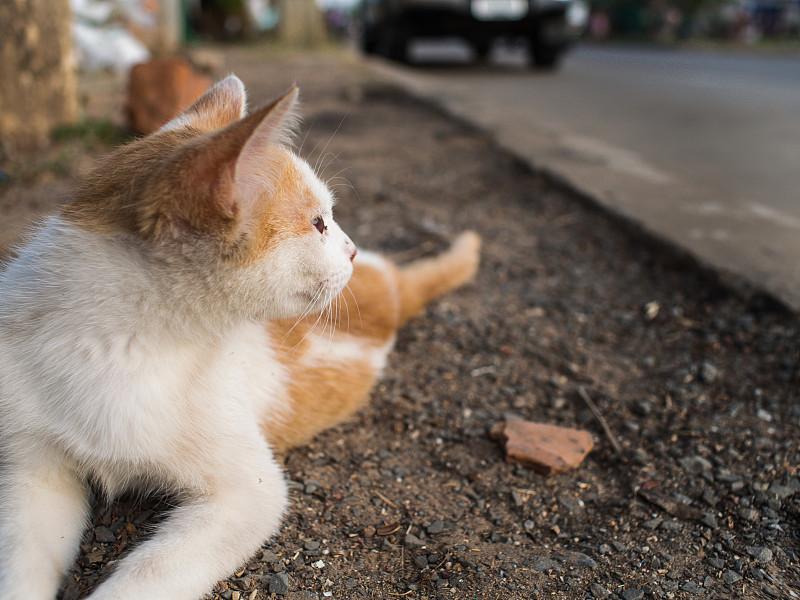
<point x="192" y="310"/>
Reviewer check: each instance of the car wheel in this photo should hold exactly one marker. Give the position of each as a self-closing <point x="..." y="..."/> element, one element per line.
<point x="544" y="56"/>
<point x="397" y="44"/>
<point x="482" y="49"/>
<point x="369" y="41"/>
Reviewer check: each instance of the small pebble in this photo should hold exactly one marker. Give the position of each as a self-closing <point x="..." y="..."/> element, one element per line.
<point x="269" y="557"/>
<point x="781" y="492"/>
<point x="749" y="514"/>
<point x="737" y="486"/>
<point x="760" y="553"/>
<point x="528" y="525"/>
<point x="583" y="560"/>
<point x="708" y="372"/>
<point x="632" y="594"/>
<point x="598" y="591"/>
<point x="763" y="415"/>
<point x="710" y="521"/>
<point x="546" y="564"/>
<point x="412" y="542"/>
<point x="241" y="583"/>
<point x="652" y="523"/>
<point x="619" y="546"/>
<point x="279" y="584"/>
<point x="694" y="465"/>
<point x="727" y="476"/>
<point x="717" y="563"/>
<point x="692" y="588"/>
<point x="436" y="527"/>
<point x="104" y="535"/>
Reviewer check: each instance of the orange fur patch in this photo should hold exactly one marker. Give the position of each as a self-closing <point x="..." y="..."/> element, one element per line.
<point x="321" y="397"/>
<point x="378" y="300"/>
<point x="287" y="213"/>
<point x="178" y="183"/>
<point x="324" y="395"/>
<point x="104" y="201"/>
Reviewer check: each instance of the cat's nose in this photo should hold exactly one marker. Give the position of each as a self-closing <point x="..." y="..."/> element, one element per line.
<point x="351" y="247"/>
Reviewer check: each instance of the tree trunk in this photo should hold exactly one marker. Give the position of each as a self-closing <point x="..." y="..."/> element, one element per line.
<point x="37" y="79"/>
<point x="301" y="23"/>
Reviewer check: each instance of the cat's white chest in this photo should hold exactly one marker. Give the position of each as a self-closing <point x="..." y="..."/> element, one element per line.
<point x="174" y="404"/>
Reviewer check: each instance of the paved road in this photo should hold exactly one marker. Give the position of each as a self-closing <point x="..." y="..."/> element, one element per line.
<point x="702" y="148"/>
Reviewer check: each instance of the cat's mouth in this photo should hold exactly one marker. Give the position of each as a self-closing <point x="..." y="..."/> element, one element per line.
<point x="317" y="298"/>
<point x="324" y="293"/>
<point x="310" y="297"/>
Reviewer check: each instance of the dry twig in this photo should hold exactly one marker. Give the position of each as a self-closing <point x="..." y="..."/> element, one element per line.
<point x="599" y="416"/>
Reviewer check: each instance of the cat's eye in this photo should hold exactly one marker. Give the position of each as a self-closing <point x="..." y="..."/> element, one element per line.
<point x="319" y="224"/>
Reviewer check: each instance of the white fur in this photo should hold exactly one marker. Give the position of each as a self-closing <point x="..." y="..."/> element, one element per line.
<point x="131" y="371"/>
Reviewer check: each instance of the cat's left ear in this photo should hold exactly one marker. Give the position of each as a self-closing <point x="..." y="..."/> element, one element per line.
<point x="220" y="106"/>
<point x="269" y="126"/>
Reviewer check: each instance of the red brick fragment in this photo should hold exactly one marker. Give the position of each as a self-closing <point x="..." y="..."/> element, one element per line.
<point x="159" y="89"/>
<point x="545" y="448"/>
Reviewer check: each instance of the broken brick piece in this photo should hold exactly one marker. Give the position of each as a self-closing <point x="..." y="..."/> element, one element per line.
<point x="158" y="90"/>
<point x="545" y="448"/>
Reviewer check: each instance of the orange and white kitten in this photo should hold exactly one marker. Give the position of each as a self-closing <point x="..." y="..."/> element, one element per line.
<point x="159" y="334"/>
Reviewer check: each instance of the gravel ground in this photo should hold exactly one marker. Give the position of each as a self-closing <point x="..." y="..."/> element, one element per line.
<point x="696" y="381"/>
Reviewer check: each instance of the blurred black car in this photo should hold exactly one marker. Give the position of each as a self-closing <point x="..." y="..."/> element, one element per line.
<point x="548" y="26"/>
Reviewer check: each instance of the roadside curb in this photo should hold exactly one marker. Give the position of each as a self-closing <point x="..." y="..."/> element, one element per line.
<point x="758" y="297"/>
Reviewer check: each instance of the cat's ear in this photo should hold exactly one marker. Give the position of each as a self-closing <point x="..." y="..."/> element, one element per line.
<point x="237" y="166"/>
<point x="220" y="106"/>
<point x="254" y="168"/>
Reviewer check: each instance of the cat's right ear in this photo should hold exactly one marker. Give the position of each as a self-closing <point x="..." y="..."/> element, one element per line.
<point x="217" y="108"/>
<point x="270" y="125"/>
<point x="233" y="169"/>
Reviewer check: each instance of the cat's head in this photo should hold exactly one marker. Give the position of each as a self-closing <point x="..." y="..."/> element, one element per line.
<point x="218" y="193"/>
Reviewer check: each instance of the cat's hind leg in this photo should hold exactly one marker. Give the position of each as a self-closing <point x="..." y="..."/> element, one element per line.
<point x="43" y="511"/>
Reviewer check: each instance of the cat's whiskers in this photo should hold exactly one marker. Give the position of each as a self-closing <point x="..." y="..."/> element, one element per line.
<point x="331" y="320"/>
<point x="303" y="315"/>
<point x="330" y="139"/>
<point x="338" y="174"/>
<point x="346" y="183"/>
<point x="358" y="308"/>
<point x="302" y="318"/>
<point x="344" y="180"/>
<point x="305" y="137"/>
<point x="347" y="308"/>
<point x="319" y="317"/>
<point x="324" y="166"/>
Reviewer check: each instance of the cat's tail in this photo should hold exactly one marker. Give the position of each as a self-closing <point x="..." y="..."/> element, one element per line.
<point x="423" y="280"/>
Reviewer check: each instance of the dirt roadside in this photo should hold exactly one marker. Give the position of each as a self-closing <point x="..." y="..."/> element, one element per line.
<point x="412" y="499"/>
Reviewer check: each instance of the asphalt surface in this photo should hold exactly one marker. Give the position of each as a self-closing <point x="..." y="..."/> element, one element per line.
<point x="702" y="148"/>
